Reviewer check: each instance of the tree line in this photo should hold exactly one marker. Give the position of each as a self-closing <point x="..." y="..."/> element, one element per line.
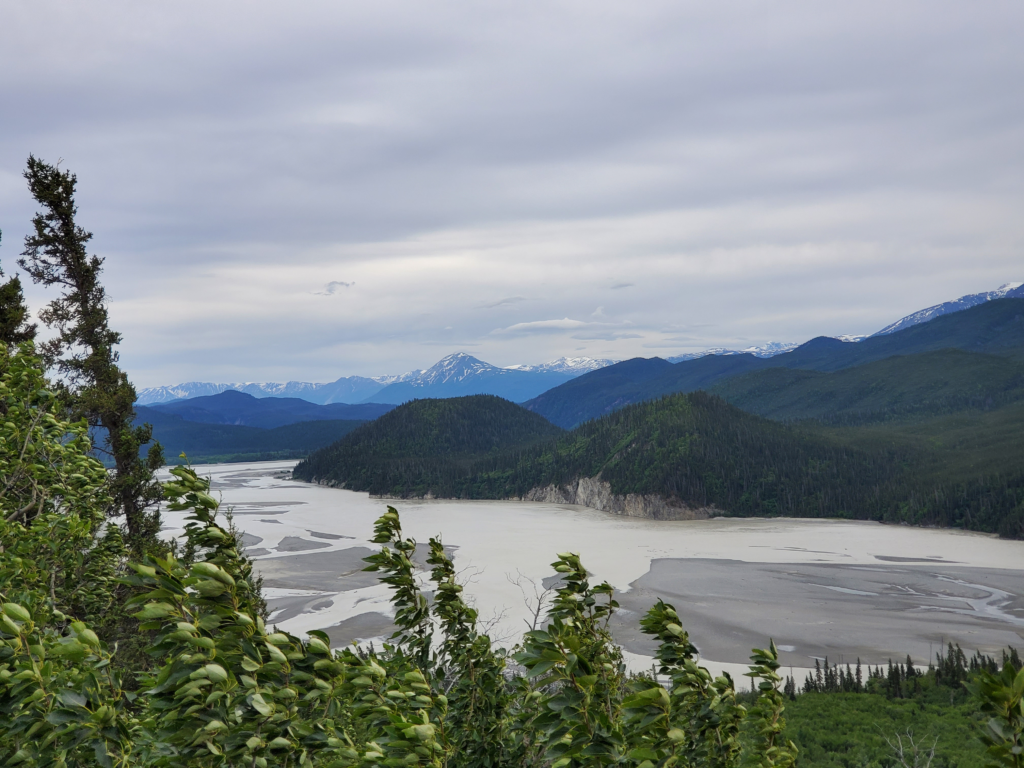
<point x="693" y="449"/>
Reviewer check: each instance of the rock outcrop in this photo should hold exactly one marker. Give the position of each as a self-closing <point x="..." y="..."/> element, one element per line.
<point x="597" y="494"/>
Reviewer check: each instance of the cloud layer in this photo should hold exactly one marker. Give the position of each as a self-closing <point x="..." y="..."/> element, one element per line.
<point x="520" y="181"/>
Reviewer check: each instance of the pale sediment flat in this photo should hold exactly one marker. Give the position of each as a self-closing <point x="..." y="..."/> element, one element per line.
<point x="818" y="587"/>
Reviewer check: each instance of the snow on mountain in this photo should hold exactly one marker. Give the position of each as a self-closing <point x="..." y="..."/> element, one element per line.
<point x="351" y="389"/>
<point x="1005" y="291"/>
<point x="189" y="389"/>
<point x="771" y="349"/>
<point x="576" y="366"/>
<point x="456" y="372"/>
<point x="461" y="374"/>
<point x="453" y="368"/>
<point x="392" y="379"/>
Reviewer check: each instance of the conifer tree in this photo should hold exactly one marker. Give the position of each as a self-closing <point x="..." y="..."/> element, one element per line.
<point x="14" y="325"/>
<point x="82" y="351"/>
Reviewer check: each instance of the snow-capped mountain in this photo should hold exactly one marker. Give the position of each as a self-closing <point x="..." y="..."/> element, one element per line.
<point x="461" y="374"/>
<point x="350" y="389"/>
<point x="576" y="366"/>
<point x="1005" y="291"/>
<point x="771" y="349"/>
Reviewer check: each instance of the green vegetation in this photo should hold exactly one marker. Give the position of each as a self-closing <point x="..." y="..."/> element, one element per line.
<point x="82" y="348"/>
<point x="959" y="470"/>
<point x="896" y="388"/>
<point x="853" y="717"/>
<point x="14" y="314"/>
<point x="425" y="445"/>
<point x="848" y="730"/>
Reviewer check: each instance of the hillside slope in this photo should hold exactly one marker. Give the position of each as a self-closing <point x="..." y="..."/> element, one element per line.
<point x="993" y="328"/>
<point x="694" y="454"/>
<point x="424" y="444"/>
<point x="929" y="383"/>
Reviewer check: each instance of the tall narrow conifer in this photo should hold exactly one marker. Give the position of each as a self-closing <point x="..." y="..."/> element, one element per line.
<point x="82" y="351"/>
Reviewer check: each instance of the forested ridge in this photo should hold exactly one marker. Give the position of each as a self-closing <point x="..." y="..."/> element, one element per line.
<point x="425" y="444"/>
<point x="896" y="388"/>
<point x="960" y="470"/>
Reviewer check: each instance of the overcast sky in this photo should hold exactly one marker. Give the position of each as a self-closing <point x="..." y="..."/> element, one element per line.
<point x="309" y="190"/>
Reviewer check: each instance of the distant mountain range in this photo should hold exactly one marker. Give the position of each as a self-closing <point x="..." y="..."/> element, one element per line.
<point x="245" y="410"/>
<point x="770" y="349"/>
<point x="348" y="389"/>
<point x="462" y="374"/>
<point x="236" y="426"/>
<point x="457" y="374"/>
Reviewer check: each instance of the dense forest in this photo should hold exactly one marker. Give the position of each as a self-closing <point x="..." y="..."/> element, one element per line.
<point x="897" y="388"/>
<point x="426" y="446"/>
<point x="701" y="452"/>
<point x="849" y="715"/>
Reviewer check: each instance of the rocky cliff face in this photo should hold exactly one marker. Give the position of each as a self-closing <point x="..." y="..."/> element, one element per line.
<point x="597" y="494"/>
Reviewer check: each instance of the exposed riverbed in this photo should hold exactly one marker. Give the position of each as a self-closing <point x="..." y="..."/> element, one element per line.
<point x="818" y="587"/>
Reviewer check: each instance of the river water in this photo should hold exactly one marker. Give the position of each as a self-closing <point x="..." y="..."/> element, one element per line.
<point x="820" y="588"/>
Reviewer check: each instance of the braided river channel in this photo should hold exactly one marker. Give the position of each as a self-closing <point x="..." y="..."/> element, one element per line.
<point x="820" y="588"/>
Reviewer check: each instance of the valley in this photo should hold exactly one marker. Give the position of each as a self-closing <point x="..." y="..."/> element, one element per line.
<point x="819" y="587"/>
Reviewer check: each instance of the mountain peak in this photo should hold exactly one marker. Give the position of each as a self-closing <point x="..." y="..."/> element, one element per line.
<point x="454" y="367"/>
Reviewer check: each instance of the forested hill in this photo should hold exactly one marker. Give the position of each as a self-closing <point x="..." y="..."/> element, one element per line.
<point x="408" y="450"/>
<point x="994" y="328"/>
<point x="926" y="384"/>
<point x="692" y="448"/>
<point x="697" y="450"/>
<point x="700" y="451"/>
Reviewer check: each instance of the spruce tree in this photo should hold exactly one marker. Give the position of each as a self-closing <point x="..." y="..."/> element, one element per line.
<point x="82" y="351"/>
<point x="14" y="325"/>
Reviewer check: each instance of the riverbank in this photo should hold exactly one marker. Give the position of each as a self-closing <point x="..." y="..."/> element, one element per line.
<point x="819" y="587"/>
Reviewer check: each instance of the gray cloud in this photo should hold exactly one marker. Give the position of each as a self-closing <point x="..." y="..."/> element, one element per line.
<point x="544" y="326"/>
<point x="766" y="172"/>
<point x="332" y="287"/>
<point x="503" y="302"/>
<point x="618" y="286"/>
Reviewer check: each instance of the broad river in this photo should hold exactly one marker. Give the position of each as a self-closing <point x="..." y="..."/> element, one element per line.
<point x="820" y="588"/>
